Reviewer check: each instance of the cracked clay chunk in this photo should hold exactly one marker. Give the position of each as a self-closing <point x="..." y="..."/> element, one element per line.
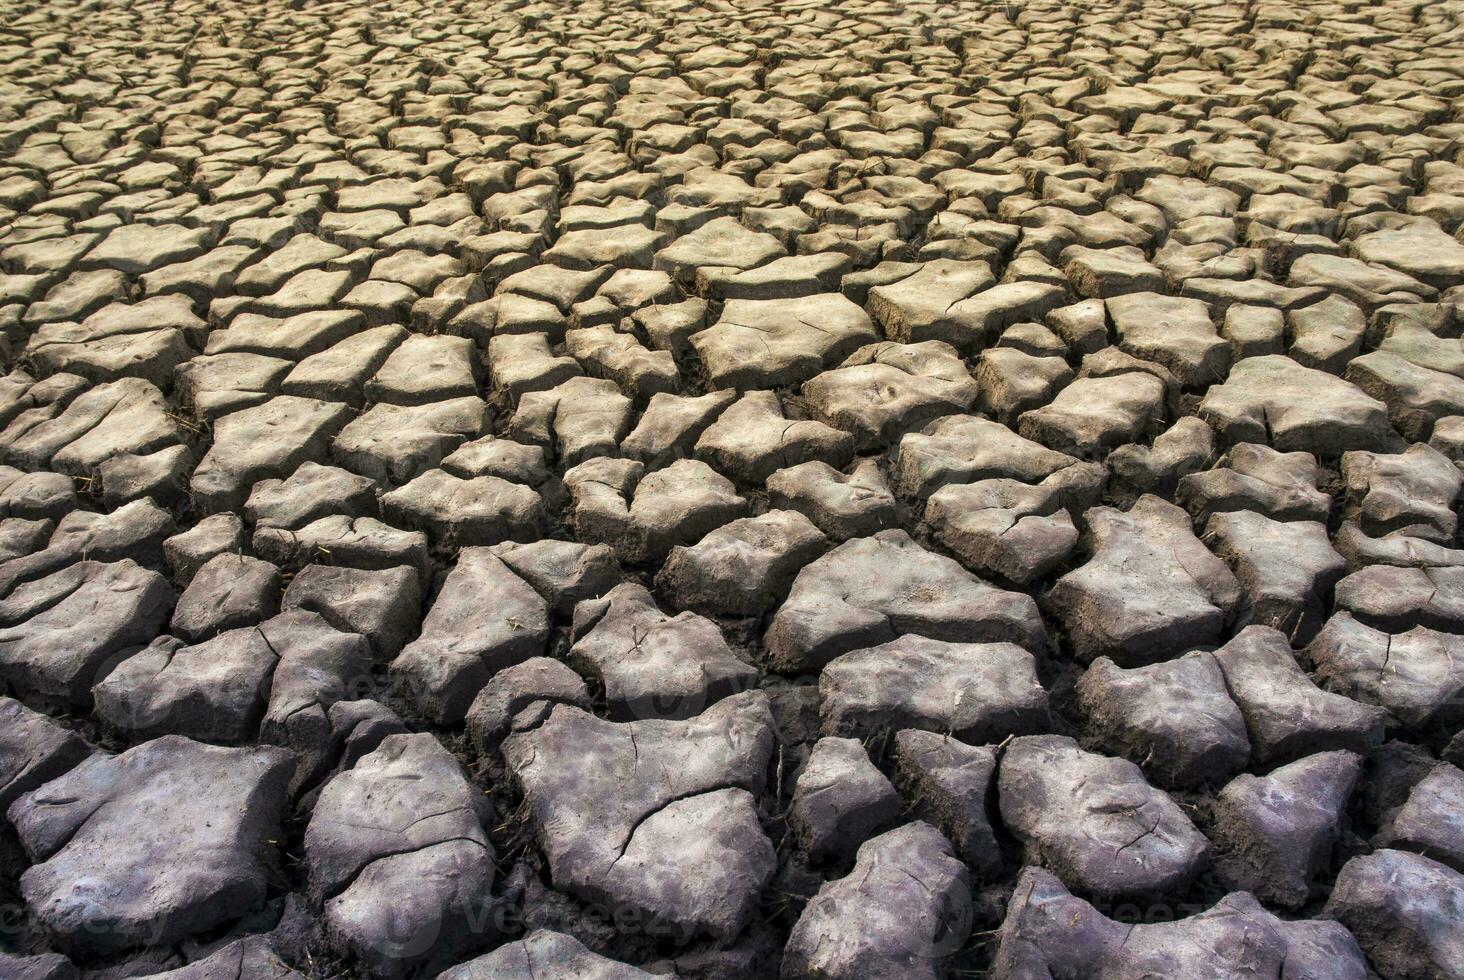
<point x="1398" y="599"/>
<point x="580" y="419"/>
<point x="544" y="955"/>
<point x="767" y="343"/>
<point x="1406" y="910"/>
<point x="1417" y="397"/>
<point x="965" y="449"/>
<point x="57" y="633"/>
<point x="1255" y="477"/>
<point x="250" y="957"/>
<point x="1417" y="675"/>
<point x="753" y="439"/>
<point x="1173" y="331"/>
<point x="953" y="785"/>
<point x="657" y="816"/>
<point x="649" y="664"/>
<point x="1098" y="413"/>
<point x="391" y="444"/>
<point x="841" y="505"/>
<point x="1410" y="493"/>
<point x="841" y="800"/>
<point x="151" y="846"/>
<point x="521" y="697"/>
<point x="743" y="567"/>
<point x="722" y="242"/>
<point x="1273" y="834"/>
<point x="1286" y="570"/>
<point x="485" y="618"/>
<point x="978" y="692"/>
<point x="1049" y="932"/>
<point x="125" y="416"/>
<point x="1150" y="591"/>
<point x="671" y="424"/>
<point x="1095" y="821"/>
<point x="902" y="912"/>
<point x="884" y="390"/>
<point x="269" y="441"/>
<point x="276" y="679"/>
<point x="229" y="591"/>
<point x="644" y="515"/>
<point x="1174" y="719"/>
<point x="1431" y="820"/>
<point x="311" y="492"/>
<point x="1286" y="714"/>
<point x="1274" y="400"/>
<point x="564" y="572"/>
<point x="383" y="605"/>
<point x="1422" y="250"/>
<point x="1014" y="530"/>
<point x="33" y="750"/>
<point x="133" y="532"/>
<point x="870" y="590"/>
<point x="399" y="858"/>
<point x="359" y="542"/>
<point x="917" y="306"/>
<point x="455" y="512"/>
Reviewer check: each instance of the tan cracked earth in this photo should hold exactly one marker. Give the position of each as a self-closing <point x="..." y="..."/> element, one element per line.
<point x="848" y="490"/>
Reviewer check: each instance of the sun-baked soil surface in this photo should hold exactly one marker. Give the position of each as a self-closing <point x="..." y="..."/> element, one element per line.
<point x="843" y="490"/>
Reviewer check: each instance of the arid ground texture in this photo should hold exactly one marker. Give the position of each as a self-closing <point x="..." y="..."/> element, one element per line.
<point x="731" y="490"/>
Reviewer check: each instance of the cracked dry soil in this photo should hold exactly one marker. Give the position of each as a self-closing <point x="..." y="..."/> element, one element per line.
<point x="850" y="490"/>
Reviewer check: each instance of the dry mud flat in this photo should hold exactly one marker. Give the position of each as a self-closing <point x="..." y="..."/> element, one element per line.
<point x="734" y="490"/>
